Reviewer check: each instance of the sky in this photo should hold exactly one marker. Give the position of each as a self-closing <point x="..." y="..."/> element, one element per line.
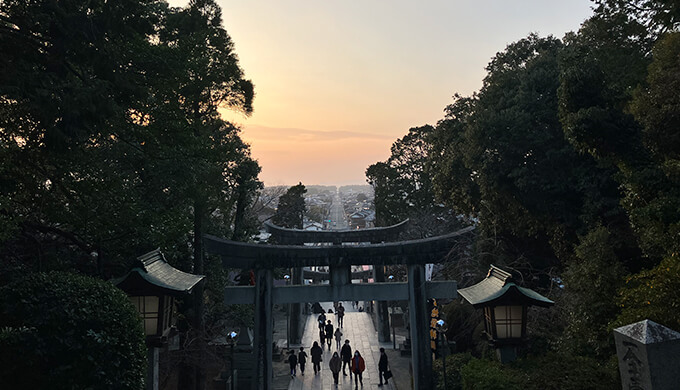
<point x="337" y="82"/>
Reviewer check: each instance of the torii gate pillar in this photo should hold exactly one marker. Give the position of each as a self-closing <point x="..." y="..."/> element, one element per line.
<point x="382" y="311"/>
<point x="262" y="343"/>
<point x="418" y="317"/>
<point x="297" y="322"/>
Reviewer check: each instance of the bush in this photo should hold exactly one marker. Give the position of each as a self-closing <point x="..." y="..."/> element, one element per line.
<point x="481" y="374"/>
<point x="454" y="363"/>
<point x="63" y="331"/>
<point x="560" y="371"/>
<point x="652" y="294"/>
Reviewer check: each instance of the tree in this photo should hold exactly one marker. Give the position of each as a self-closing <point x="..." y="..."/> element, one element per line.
<point x="291" y="209"/>
<point x="589" y="303"/>
<point x="65" y="98"/>
<point x="656" y="16"/>
<point x="656" y="106"/>
<point x="453" y="181"/>
<point x="65" y="331"/>
<point x="403" y="188"/>
<point x="111" y="142"/>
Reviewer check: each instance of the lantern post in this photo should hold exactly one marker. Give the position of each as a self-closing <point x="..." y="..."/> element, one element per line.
<point x="152" y="285"/>
<point x="505" y="310"/>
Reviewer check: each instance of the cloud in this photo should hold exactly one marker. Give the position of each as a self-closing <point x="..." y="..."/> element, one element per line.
<point x="288" y="156"/>
<point x="281" y="134"/>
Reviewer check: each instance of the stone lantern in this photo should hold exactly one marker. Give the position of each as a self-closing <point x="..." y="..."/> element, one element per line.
<point x="505" y="310"/>
<point x="152" y="285"/>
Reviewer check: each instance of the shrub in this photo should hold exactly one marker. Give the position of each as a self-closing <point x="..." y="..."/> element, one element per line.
<point x="482" y="374"/>
<point x="562" y="371"/>
<point x="64" y="331"/>
<point x="454" y="363"/>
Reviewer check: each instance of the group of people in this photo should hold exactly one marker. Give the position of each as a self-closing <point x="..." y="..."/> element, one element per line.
<point x="338" y="362"/>
<point x="326" y="333"/>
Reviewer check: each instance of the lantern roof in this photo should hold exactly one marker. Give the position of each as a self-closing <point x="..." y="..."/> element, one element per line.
<point x="152" y="275"/>
<point x="498" y="288"/>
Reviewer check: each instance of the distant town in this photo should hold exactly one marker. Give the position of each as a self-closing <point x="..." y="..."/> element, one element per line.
<point x="356" y="200"/>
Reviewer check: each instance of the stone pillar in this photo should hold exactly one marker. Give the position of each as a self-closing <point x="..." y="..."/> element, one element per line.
<point x="152" y="368"/>
<point x="648" y="356"/>
<point x="262" y="345"/>
<point x="339" y="274"/>
<point x="382" y="312"/>
<point x="421" y="354"/>
<point x="297" y="322"/>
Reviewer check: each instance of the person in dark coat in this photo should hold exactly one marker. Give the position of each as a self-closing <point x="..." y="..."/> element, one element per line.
<point x="338" y="338"/>
<point x="316" y="353"/>
<point x="329" y="334"/>
<point x="293" y="361"/>
<point x="382" y="366"/>
<point x="322" y="320"/>
<point x="322" y="338"/>
<point x="346" y="355"/>
<point x="335" y="365"/>
<point x="340" y="312"/>
<point x="302" y="359"/>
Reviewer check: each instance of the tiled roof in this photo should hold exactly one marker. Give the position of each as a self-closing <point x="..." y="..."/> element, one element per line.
<point x="152" y="268"/>
<point x="498" y="284"/>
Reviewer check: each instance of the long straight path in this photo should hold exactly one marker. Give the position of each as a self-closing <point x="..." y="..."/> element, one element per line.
<point x="359" y="330"/>
<point x="337" y="214"/>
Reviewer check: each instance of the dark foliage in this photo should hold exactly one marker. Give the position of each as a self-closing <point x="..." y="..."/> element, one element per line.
<point x="63" y="331"/>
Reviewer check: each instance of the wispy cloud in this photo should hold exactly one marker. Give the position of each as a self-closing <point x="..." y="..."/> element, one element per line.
<point x="288" y="156"/>
<point x="279" y="134"/>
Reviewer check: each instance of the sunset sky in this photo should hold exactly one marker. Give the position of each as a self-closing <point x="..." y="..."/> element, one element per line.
<point x="337" y="82"/>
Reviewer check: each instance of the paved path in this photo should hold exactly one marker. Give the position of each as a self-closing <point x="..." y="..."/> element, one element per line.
<point x="359" y="329"/>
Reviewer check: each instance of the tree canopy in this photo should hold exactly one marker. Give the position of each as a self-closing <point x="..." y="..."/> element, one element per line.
<point x="112" y="142"/>
<point x="566" y="160"/>
<point x="291" y="209"/>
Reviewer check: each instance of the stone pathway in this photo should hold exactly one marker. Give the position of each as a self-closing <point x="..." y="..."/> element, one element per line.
<point x="360" y="331"/>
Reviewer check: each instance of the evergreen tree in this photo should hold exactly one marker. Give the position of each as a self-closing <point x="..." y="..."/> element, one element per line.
<point x="291" y="209"/>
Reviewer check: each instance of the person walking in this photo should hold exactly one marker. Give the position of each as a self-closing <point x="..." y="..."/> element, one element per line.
<point x="340" y="311"/>
<point x="335" y="365"/>
<point x="382" y="367"/>
<point x="322" y="337"/>
<point x="292" y="361"/>
<point x="338" y="338"/>
<point x="357" y="367"/>
<point x="322" y="320"/>
<point x="346" y="355"/>
<point x="302" y="360"/>
<point x="329" y="334"/>
<point x="316" y="353"/>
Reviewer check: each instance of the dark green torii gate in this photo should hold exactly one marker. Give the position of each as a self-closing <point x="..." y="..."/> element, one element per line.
<point x="263" y="258"/>
<point x="287" y="236"/>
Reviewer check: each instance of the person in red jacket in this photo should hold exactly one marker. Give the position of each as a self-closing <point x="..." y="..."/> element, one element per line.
<point x="358" y="366"/>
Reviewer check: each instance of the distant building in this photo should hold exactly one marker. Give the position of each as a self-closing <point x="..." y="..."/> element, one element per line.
<point x="312" y="225"/>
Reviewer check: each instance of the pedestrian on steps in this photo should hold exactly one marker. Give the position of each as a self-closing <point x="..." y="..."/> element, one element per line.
<point x="338" y="338"/>
<point x="382" y="367"/>
<point x="357" y="367"/>
<point x="302" y="359"/>
<point x="340" y="312"/>
<point x="329" y="334"/>
<point x="316" y="357"/>
<point x="292" y="361"/>
<point x="346" y="355"/>
<point x="335" y="365"/>
<point x="322" y="320"/>
<point x="322" y="336"/>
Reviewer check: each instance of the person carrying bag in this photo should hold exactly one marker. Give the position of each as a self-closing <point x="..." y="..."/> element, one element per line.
<point x="383" y="370"/>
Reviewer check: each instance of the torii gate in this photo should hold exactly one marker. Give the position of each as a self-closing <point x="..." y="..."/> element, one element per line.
<point x="287" y="236"/>
<point x="263" y="258"/>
